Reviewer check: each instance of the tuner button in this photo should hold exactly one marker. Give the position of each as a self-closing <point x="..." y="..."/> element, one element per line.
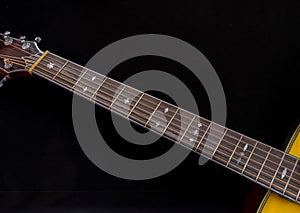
<point x="22" y="37"/>
<point x="26" y="45"/>
<point x="6" y="33"/>
<point x="38" y="39"/>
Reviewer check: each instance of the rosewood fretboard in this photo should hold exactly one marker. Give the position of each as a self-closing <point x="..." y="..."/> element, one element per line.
<point x="269" y="167"/>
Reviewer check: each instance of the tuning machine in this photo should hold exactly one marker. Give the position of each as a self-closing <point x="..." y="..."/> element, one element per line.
<point x="7" y="63"/>
<point x="7" y="40"/>
<point x="38" y="40"/>
<point x="25" y="44"/>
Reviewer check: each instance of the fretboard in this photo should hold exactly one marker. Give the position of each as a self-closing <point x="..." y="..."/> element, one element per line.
<point x="267" y="166"/>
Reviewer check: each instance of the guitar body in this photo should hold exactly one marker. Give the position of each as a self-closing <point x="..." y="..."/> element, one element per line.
<point x="273" y="203"/>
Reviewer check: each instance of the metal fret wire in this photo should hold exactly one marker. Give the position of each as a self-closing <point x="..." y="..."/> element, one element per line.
<point x="253" y="149"/>
<point x="262" y="150"/>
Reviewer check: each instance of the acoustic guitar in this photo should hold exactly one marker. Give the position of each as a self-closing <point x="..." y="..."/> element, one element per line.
<point x="275" y="170"/>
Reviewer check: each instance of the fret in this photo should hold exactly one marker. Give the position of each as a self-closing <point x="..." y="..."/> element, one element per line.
<point x="70" y="72"/>
<point x="98" y="88"/>
<point x="206" y="131"/>
<point x="240" y="157"/>
<point x="125" y="100"/>
<point x="117" y="94"/>
<point x="290" y="176"/>
<point x="227" y="145"/>
<point x="293" y="188"/>
<point x="277" y="170"/>
<point x="60" y="81"/>
<point x="91" y="81"/>
<point x="249" y="158"/>
<point x="85" y="87"/>
<point x="161" y="117"/>
<point x="186" y="129"/>
<point x="65" y="64"/>
<point x="41" y="70"/>
<point x="170" y="121"/>
<point x="263" y="164"/>
<point x="211" y="139"/>
<point x="247" y="166"/>
<point x="219" y="143"/>
<point x="107" y="91"/>
<point x="81" y="76"/>
<point x="142" y="94"/>
<point x="152" y="113"/>
<point x="269" y="168"/>
<point x="42" y="67"/>
<point x="282" y="176"/>
<point x="144" y="109"/>
<point x="237" y="144"/>
<point x="195" y="132"/>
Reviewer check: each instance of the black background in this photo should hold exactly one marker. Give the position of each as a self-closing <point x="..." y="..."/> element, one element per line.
<point x="253" y="46"/>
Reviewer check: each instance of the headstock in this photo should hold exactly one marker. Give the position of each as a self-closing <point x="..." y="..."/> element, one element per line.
<point x="17" y="55"/>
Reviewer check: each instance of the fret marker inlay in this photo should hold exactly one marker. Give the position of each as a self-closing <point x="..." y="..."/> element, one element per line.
<point x="126" y="100"/>
<point x="199" y="125"/>
<point x="196" y="132"/>
<point x="50" y="66"/>
<point x="94" y="78"/>
<point x="166" y="110"/>
<point x="157" y="124"/>
<point x="245" y="148"/>
<point x="85" y="89"/>
<point x="284" y="173"/>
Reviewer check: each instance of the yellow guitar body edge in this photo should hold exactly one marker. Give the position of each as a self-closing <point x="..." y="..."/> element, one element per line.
<point x="273" y="203"/>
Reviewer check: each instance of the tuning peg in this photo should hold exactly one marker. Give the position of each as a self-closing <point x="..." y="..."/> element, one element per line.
<point x="38" y="39"/>
<point x="6" y="33"/>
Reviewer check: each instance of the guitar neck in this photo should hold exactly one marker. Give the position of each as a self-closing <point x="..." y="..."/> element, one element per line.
<point x="267" y="166"/>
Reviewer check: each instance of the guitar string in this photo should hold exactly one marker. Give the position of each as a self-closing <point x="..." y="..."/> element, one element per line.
<point x="118" y="82"/>
<point x="262" y="172"/>
<point x="52" y="74"/>
<point x="170" y="116"/>
<point x="265" y="152"/>
<point x="78" y="70"/>
<point x="209" y="121"/>
<point x="265" y="181"/>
